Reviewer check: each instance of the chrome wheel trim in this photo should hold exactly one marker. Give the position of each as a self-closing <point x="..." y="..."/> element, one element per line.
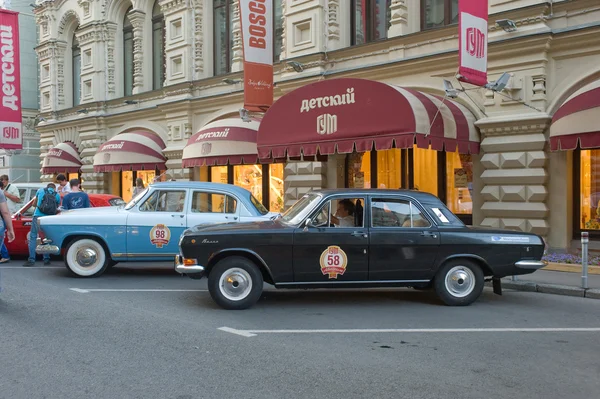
<point x="86" y="256"/>
<point x="235" y="284"/>
<point x="460" y="281"/>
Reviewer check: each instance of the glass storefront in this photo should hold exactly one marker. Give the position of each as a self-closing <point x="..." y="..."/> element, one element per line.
<point x="589" y="189"/>
<point x="421" y="171"/>
<point x="124" y="183"/>
<point x="251" y="177"/>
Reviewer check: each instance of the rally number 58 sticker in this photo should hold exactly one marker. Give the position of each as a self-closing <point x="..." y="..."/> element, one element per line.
<point x="333" y="262"/>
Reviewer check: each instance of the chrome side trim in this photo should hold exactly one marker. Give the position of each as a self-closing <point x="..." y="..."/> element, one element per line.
<point x="355" y="282"/>
<point x="129" y="255"/>
<point x="531" y="264"/>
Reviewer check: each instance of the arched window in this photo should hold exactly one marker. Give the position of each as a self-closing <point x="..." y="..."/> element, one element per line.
<point x="223" y="35"/>
<point x="127" y="55"/>
<point x="158" y="47"/>
<point x="76" y="71"/>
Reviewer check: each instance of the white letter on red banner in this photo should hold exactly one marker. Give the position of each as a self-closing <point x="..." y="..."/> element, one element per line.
<point x="256" y="18"/>
<point x="473" y="41"/>
<point x="11" y="134"/>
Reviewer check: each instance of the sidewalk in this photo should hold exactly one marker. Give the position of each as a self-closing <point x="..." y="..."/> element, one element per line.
<point x="554" y="282"/>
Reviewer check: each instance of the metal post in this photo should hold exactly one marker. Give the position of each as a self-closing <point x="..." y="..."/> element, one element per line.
<point x="584" y="259"/>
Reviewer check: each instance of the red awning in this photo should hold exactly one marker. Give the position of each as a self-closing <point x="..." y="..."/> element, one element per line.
<point x="347" y="114"/>
<point x="227" y="141"/>
<point x="135" y="150"/>
<point x="577" y="121"/>
<point x="63" y="158"/>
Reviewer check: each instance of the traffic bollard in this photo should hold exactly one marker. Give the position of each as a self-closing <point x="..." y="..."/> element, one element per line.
<point x="584" y="259"/>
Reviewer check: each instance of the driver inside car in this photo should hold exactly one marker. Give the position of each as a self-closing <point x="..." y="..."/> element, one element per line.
<point x="344" y="216"/>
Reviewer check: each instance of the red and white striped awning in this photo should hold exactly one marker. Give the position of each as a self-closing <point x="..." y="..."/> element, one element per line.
<point x="577" y="121"/>
<point x="62" y="158"/>
<point x="226" y="141"/>
<point x="134" y="150"/>
<point x="346" y="114"/>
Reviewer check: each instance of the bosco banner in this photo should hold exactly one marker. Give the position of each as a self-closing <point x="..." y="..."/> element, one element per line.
<point x="473" y="41"/>
<point x="257" y="35"/>
<point x="11" y="135"/>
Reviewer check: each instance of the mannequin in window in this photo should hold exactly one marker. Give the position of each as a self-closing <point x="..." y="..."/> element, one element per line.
<point x="344" y="216"/>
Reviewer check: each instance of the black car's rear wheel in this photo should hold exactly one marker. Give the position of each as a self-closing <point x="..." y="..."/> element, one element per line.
<point x="235" y="283"/>
<point x="459" y="282"/>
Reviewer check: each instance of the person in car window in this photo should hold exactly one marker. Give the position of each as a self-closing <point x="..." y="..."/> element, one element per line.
<point x="76" y="199"/>
<point x="344" y="216"/>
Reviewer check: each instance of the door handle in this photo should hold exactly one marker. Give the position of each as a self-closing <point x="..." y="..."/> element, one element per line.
<point x="181" y="216"/>
<point x="360" y="234"/>
<point x="428" y="234"/>
<point x="231" y="217"/>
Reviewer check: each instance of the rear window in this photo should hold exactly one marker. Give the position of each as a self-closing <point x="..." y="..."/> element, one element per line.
<point x="259" y="206"/>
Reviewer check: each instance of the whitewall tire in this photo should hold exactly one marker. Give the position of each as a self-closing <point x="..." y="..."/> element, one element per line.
<point x="86" y="257"/>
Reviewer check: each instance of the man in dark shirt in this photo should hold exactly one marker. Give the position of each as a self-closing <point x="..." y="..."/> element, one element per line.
<point x="76" y="199"/>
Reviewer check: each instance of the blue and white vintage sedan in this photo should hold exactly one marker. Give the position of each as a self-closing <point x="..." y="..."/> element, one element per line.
<point x="148" y="228"/>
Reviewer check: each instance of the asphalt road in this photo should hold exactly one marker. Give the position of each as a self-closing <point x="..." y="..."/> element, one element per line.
<point x="149" y="333"/>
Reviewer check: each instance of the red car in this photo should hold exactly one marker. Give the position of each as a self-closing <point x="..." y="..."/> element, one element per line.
<point x="22" y="221"/>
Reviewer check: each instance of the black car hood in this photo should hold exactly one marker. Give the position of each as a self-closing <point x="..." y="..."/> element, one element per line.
<point x="223" y="228"/>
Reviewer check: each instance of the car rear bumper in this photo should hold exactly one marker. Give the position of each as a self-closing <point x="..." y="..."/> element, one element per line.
<point x="47" y="249"/>
<point x="531" y="264"/>
<point x="187" y="268"/>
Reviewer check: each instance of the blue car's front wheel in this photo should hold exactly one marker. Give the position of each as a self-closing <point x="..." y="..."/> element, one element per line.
<point x="86" y="257"/>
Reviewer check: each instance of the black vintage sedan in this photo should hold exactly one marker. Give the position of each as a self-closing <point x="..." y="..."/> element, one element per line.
<point x="355" y="239"/>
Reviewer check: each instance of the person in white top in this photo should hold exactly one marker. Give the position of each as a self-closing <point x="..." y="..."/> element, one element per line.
<point x="63" y="184"/>
<point x="13" y="199"/>
<point x="344" y="216"/>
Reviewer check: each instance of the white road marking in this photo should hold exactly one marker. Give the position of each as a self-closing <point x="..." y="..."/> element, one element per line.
<point x="32" y="267"/>
<point x="88" y="290"/>
<point x="253" y="333"/>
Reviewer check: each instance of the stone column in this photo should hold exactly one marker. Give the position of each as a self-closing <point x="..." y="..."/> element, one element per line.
<point x="58" y="64"/>
<point x="198" y="8"/>
<point x="237" y="62"/>
<point x="399" y="20"/>
<point x="514" y="175"/>
<point x="91" y="140"/>
<point x="109" y="31"/>
<point x="137" y="19"/>
<point x="302" y="177"/>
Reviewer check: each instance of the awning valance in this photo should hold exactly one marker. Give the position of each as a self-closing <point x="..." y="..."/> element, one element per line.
<point x="577" y="121"/>
<point x="228" y="141"/>
<point x="134" y="150"/>
<point x="347" y="114"/>
<point x="62" y="158"/>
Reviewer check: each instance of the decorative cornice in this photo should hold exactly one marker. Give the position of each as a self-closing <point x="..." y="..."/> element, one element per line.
<point x="514" y="125"/>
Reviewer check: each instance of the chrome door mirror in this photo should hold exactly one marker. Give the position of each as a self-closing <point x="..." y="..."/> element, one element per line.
<point x="307" y="224"/>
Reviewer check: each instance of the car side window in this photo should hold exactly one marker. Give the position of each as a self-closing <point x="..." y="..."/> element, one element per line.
<point x="203" y="202"/>
<point x="386" y="212"/>
<point x="164" y="201"/>
<point x="341" y="212"/>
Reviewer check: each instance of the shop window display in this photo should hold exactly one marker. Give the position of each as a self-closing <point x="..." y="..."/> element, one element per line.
<point x="589" y="202"/>
<point x="128" y="181"/>
<point x="459" y="183"/>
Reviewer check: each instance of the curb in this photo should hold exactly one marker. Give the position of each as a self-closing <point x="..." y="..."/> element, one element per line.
<point x="570" y="268"/>
<point x="556" y="289"/>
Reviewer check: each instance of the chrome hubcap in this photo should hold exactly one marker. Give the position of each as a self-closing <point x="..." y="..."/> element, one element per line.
<point x="460" y="281"/>
<point x="235" y="284"/>
<point x="86" y="256"/>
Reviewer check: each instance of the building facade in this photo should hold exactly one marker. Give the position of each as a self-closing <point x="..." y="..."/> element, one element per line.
<point x="147" y="88"/>
<point x="23" y="165"/>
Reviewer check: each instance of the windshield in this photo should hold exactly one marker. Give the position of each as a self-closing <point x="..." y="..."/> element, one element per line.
<point x="116" y="202"/>
<point x="300" y="209"/>
<point x="136" y="199"/>
<point x="259" y="207"/>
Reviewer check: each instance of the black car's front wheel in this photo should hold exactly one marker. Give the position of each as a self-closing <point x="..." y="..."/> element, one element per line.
<point x="235" y="283"/>
<point x="459" y="282"/>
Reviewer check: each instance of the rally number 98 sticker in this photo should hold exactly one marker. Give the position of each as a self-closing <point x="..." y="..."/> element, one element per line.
<point x="333" y="262"/>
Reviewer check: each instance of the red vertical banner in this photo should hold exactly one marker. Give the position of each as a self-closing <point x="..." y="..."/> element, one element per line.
<point x="473" y="41"/>
<point x="256" y="19"/>
<point x="11" y="132"/>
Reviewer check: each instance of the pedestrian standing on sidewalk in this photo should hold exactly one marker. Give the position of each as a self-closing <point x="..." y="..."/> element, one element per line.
<point x="76" y="199"/>
<point x="139" y="187"/>
<point x="47" y="202"/>
<point x="11" y="192"/>
<point x="63" y="185"/>
<point x="6" y="226"/>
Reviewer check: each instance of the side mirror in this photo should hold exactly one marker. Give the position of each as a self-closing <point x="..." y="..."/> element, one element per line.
<point x="307" y="224"/>
<point x="18" y="216"/>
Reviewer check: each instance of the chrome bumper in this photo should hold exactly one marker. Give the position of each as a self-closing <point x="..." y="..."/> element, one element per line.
<point x="186" y="269"/>
<point x="531" y="264"/>
<point x="47" y="249"/>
